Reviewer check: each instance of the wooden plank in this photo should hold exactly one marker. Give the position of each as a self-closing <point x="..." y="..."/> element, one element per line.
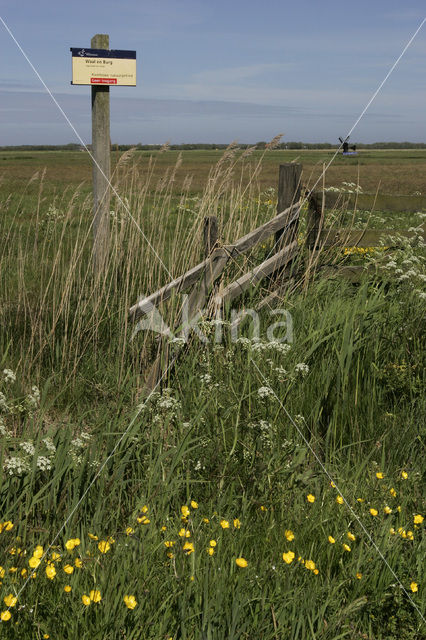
<point x="288" y="216"/>
<point x="199" y="293"/>
<point x="182" y="283"/>
<point x="236" y="288"/>
<point x="334" y="237"/>
<point x="196" y="302"/>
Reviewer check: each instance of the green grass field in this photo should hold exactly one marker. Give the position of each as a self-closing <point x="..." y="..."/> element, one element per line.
<point x="265" y="490"/>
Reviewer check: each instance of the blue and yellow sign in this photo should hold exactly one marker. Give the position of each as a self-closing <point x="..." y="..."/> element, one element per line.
<point x="103" y="67"/>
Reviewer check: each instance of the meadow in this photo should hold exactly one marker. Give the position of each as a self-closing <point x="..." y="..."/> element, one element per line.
<point x="266" y="489"/>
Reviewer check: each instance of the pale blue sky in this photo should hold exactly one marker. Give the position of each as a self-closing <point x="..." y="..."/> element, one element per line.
<point x="215" y="71"/>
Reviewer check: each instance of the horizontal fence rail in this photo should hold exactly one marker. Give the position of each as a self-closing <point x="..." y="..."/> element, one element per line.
<point x="241" y="246"/>
<point x="200" y="280"/>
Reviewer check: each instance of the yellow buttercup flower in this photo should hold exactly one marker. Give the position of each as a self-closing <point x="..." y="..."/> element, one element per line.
<point x="38" y="551"/>
<point x="237" y="523"/>
<point x="50" y="571"/>
<point x="168" y="543"/>
<point x="185" y="511"/>
<point x="379" y="475"/>
<point x="95" y="595"/>
<point x="288" y="557"/>
<point x="69" y="569"/>
<point x="34" y="562"/>
<point x="241" y="562"/>
<point x="331" y="540"/>
<point x="310" y="564"/>
<point x="351" y="536"/>
<point x="310" y="498"/>
<point x="414" y="587"/>
<point x="373" y="512"/>
<point x="184" y="533"/>
<point x="130" y="602"/>
<point x="104" y="546"/>
<point x="10" y="600"/>
<point x="392" y="492"/>
<point x="129" y="531"/>
<point x="188" y="548"/>
<point x="418" y="519"/>
<point x="289" y="534"/>
<point x="92" y="536"/>
<point x="67" y="588"/>
<point x="339" y="500"/>
<point x="404" y="475"/>
<point x="5" y="616"/>
<point x="358" y="575"/>
<point x="213" y="543"/>
<point x="387" y="510"/>
<point x="210" y="551"/>
<point x="346" y="547"/>
<point x="86" y="600"/>
<point x="78" y="563"/>
<point x="194" y="504"/>
<point x="70" y="544"/>
<point x="224" y="524"/>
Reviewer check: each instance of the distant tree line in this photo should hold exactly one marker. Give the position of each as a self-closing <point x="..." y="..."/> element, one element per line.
<point x="72" y="146"/>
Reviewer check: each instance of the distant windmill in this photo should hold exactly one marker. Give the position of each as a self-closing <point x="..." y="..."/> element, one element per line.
<point x="346" y="146"/>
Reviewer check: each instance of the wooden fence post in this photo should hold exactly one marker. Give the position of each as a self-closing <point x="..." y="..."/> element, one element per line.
<point x="101" y="143"/>
<point x="313" y="221"/>
<point x="289" y="189"/>
<point x="210" y="234"/>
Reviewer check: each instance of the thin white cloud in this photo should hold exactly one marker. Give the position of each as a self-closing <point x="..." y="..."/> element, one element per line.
<point x="238" y="74"/>
<point x="409" y="15"/>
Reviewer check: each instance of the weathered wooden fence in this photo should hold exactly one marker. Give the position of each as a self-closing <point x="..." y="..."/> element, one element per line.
<point x="199" y="281"/>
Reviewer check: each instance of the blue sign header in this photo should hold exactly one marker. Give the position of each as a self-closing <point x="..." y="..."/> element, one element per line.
<point x="102" y="53"/>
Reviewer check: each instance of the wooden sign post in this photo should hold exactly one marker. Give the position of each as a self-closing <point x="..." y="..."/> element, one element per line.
<point x="101" y="144"/>
<point x="101" y="67"/>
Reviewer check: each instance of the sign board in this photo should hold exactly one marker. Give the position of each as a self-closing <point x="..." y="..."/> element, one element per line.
<point x="103" y="67"/>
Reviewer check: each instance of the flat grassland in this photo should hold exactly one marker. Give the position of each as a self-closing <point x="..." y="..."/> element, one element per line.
<point x="398" y="172"/>
<point x="268" y="489"/>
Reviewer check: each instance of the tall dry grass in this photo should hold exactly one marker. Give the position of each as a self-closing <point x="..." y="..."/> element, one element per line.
<point x="56" y="317"/>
